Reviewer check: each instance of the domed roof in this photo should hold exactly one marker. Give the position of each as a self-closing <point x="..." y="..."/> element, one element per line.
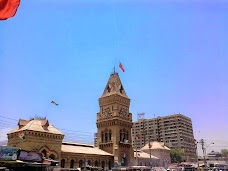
<point x="38" y="125"/>
<point x="155" y="145"/>
<point x="141" y="154"/>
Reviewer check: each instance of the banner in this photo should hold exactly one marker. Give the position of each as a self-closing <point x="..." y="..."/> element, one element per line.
<point x="9" y="153"/>
<point x="30" y="156"/>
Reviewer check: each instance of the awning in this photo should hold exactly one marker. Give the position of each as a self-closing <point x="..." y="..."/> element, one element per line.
<point x="12" y="161"/>
<point x="36" y="164"/>
<point x="33" y="164"/>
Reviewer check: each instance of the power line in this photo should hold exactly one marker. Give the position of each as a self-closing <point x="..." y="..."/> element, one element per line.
<point x="219" y="146"/>
<point x="10" y="124"/>
<point x="8" y="118"/>
<point x="7" y="124"/>
<point x="38" y="124"/>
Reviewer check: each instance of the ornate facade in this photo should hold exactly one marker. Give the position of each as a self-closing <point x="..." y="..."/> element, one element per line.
<point x="114" y="122"/>
<point x="41" y="137"/>
<point x="80" y="155"/>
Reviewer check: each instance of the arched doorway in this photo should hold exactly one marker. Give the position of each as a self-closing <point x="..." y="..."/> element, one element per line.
<point x="80" y="163"/>
<point x="62" y="163"/>
<point x="44" y="153"/>
<point x="72" y="163"/>
<point x="96" y="163"/>
<point x="52" y="156"/>
<point x="103" y="164"/>
<point x="88" y="162"/>
<point x="163" y="163"/>
<point x="123" y="161"/>
<point x="109" y="165"/>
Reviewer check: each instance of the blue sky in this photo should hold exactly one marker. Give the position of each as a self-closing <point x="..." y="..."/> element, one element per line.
<point x="174" y="52"/>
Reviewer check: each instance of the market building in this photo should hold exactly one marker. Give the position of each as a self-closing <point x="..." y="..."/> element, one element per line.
<point x="114" y="144"/>
<point x="44" y="138"/>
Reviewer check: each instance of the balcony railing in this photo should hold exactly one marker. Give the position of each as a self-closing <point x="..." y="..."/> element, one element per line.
<point x="125" y="142"/>
<point x="107" y="142"/>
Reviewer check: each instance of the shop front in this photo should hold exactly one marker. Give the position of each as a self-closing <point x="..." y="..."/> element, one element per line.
<point x="16" y="159"/>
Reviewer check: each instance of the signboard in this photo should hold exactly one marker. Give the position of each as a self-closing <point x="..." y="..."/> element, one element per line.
<point x="30" y="156"/>
<point x="8" y="153"/>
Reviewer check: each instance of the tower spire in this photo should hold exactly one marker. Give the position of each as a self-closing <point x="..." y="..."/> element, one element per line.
<point x="114" y="86"/>
<point x="114" y="70"/>
<point x="114" y="111"/>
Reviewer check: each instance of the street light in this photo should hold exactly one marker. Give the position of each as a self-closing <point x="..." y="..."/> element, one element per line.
<point x="210" y="144"/>
<point x="204" y="154"/>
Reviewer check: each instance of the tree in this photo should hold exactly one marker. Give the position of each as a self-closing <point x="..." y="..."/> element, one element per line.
<point x="176" y="155"/>
<point x="224" y="152"/>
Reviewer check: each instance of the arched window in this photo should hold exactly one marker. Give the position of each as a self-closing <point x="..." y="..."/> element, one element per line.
<point x="44" y="153"/>
<point x="72" y="163"/>
<point x="62" y="163"/>
<point x="106" y="136"/>
<point x="102" y="136"/>
<point x="109" y="165"/>
<point x="121" y="135"/>
<point x="103" y="164"/>
<point x="80" y="163"/>
<point x="126" y="135"/>
<point x="110" y="135"/>
<point x="89" y="163"/>
<point x="96" y="163"/>
<point x="123" y="138"/>
<point x="52" y="156"/>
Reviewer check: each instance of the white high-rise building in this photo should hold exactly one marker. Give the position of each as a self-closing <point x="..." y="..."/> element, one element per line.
<point x="174" y="130"/>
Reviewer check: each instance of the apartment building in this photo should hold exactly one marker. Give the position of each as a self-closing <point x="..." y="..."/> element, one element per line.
<point x="174" y="130"/>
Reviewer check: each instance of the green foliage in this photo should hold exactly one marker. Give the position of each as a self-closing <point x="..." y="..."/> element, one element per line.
<point x="176" y="155"/>
<point x="224" y="152"/>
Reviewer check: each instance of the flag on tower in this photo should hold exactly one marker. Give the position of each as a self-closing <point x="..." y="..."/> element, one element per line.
<point x="21" y="135"/>
<point x="53" y="102"/>
<point x="121" y="67"/>
<point x="8" y="8"/>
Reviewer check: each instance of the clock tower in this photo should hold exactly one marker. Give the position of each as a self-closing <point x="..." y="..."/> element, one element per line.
<point x="114" y="122"/>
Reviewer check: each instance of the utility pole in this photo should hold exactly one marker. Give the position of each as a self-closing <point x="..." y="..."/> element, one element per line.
<point x="204" y="155"/>
<point x="204" y="151"/>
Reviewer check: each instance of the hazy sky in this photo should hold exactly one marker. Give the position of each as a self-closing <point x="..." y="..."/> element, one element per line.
<point x="175" y="55"/>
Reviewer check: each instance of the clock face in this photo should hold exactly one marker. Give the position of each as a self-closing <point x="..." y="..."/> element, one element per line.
<point x="123" y="112"/>
<point x="107" y="112"/>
